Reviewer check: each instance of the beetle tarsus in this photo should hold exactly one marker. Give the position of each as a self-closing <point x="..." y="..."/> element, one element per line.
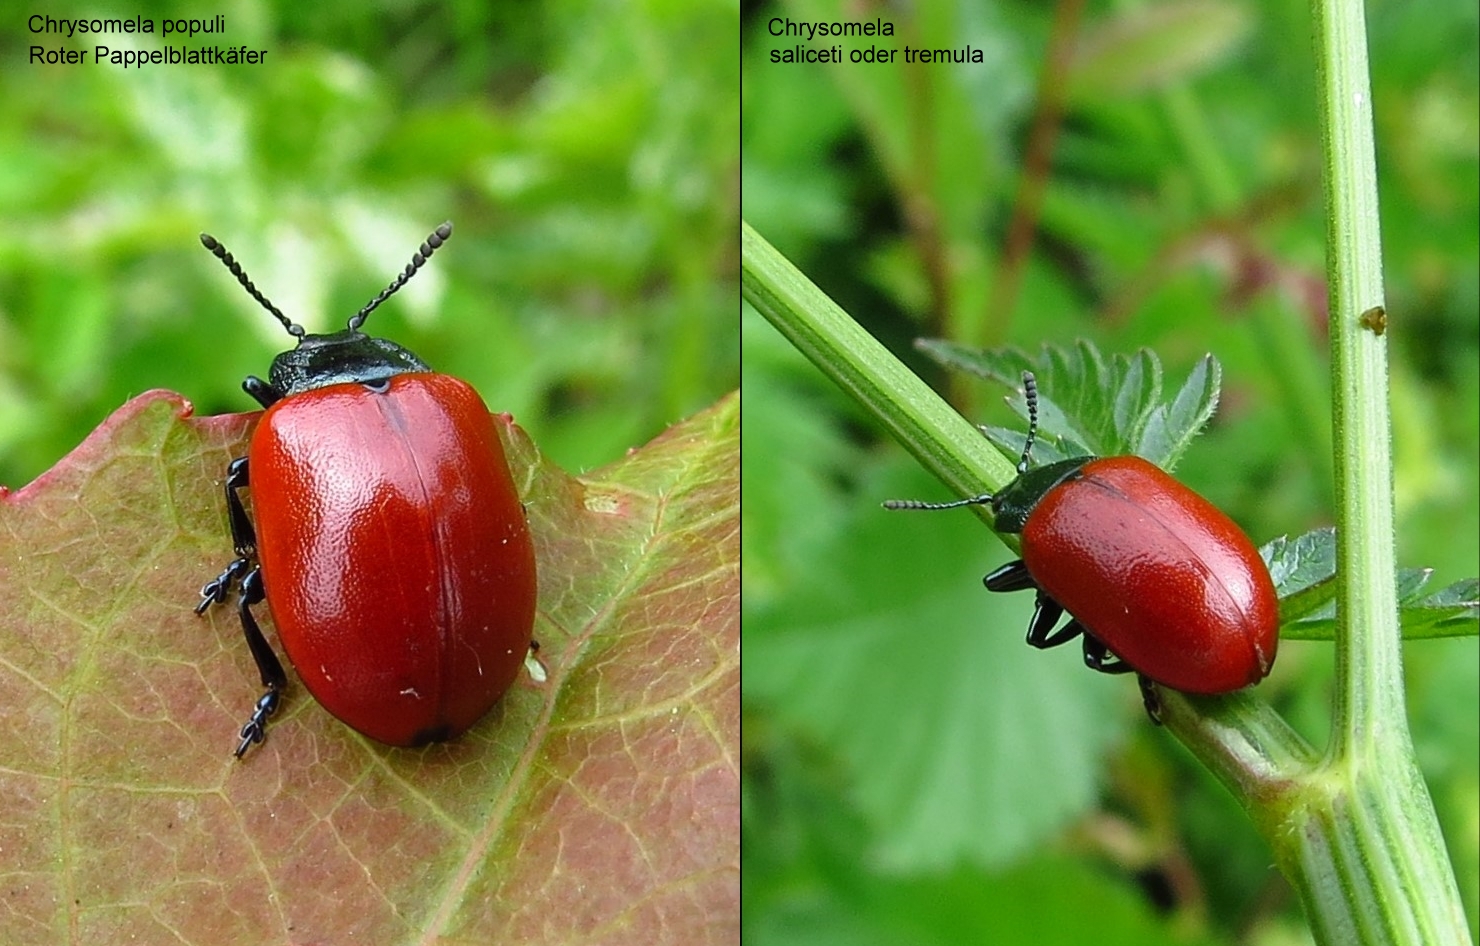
<point x="1098" y="657"/>
<point x="256" y="728"/>
<point x="1046" y="613"/>
<point x="1150" y="698"/>
<point x="243" y="575"/>
<point x="218" y="589"/>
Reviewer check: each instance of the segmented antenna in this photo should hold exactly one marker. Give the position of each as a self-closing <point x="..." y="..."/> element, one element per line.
<point x="1030" y="394"/>
<point x="982" y="500"/>
<point x="438" y="237"/>
<point x="221" y="253"/>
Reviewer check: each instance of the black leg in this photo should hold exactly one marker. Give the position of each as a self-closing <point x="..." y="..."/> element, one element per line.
<point x="246" y="576"/>
<point x="1150" y="699"/>
<point x="1098" y="657"/>
<point x="1046" y="613"/>
<point x="262" y="392"/>
<point x="268" y="665"/>
<point x="243" y="536"/>
<point x="218" y="589"/>
<point x="1010" y="577"/>
<point x="243" y="539"/>
<point x="256" y="728"/>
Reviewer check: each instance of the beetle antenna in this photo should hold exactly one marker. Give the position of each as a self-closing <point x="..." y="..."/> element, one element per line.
<point x="438" y="237"/>
<point x="981" y="500"/>
<point x="222" y="254"/>
<point x="1030" y="394"/>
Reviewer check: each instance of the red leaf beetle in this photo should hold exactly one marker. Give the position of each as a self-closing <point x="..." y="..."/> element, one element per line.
<point x="390" y="542"/>
<point x="1155" y="578"/>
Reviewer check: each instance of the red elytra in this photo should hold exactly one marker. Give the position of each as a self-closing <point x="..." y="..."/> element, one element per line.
<point x="390" y="543"/>
<point x="1160" y="575"/>
<point x="398" y="566"/>
<point x="1155" y="578"/>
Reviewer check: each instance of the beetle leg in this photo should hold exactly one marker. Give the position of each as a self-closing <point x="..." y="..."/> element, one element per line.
<point x="247" y="576"/>
<point x="1098" y="657"/>
<point x="268" y="665"/>
<point x="1046" y="613"/>
<point x="1010" y="577"/>
<point x="262" y="392"/>
<point x="243" y="539"/>
<point x="256" y="728"/>
<point x="243" y="536"/>
<point x="1150" y="699"/>
<point x="217" y="589"/>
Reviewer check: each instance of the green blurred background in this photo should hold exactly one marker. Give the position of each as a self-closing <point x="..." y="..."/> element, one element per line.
<point x="1138" y="175"/>
<point x="585" y="151"/>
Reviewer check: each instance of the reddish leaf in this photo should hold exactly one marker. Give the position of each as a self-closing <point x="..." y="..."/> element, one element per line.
<point x="601" y="805"/>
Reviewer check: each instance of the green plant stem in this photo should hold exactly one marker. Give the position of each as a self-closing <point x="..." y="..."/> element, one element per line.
<point x="1359" y="838"/>
<point x="939" y="437"/>
<point x="1356" y="834"/>
<point x="1367" y="640"/>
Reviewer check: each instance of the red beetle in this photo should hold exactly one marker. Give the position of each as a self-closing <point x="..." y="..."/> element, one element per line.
<point x="390" y="542"/>
<point x="1149" y="571"/>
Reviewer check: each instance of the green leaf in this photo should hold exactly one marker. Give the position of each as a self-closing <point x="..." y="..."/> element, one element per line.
<point x="1169" y="428"/>
<point x="963" y="743"/>
<point x="1087" y="405"/>
<point x="1304" y="573"/>
<point x="967" y="905"/>
<point x="131" y="821"/>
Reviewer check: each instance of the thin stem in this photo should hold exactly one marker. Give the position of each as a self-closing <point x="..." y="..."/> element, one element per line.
<point x="1368" y="659"/>
<point x="1359" y="838"/>
<point x="939" y="437"/>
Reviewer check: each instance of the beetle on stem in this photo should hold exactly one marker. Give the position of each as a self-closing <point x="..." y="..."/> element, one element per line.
<point x="1155" y="578"/>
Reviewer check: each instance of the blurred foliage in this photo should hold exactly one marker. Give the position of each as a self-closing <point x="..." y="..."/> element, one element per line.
<point x="1138" y="175"/>
<point x="585" y="152"/>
